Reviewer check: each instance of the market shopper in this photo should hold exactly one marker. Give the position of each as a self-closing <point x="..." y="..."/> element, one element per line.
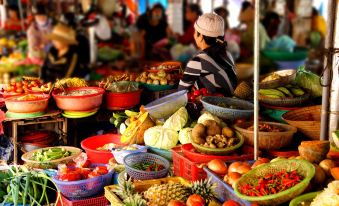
<point x="213" y="68"/>
<point x="13" y="22"/>
<point x="38" y="44"/>
<point x="62" y="59"/>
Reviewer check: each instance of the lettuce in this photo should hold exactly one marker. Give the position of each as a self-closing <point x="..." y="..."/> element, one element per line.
<point x="178" y="120"/>
<point x="185" y="135"/>
<point x="161" y="138"/>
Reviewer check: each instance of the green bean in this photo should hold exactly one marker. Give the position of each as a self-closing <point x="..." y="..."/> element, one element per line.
<point x="26" y="189"/>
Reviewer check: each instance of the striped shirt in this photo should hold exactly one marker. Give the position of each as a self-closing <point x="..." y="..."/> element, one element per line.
<point x="216" y="74"/>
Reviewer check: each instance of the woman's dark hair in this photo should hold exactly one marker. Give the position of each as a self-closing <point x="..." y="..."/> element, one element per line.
<point x="314" y="12"/>
<point x="161" y="7"/>
<point x="217" y="43"/>
<point x="195" y="8"/>
<point x="245" y="5"/>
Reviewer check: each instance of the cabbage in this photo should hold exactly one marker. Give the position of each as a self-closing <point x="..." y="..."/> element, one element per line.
<point x="309" y="81"/>
<point x="185" y="135"/>
<point x="160" y="137"/>
<point x="328" y="197"/>
<point x="208" y="116"/>
<point x="178" y="120"/>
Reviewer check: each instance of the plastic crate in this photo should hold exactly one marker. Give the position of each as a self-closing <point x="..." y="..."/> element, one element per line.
<point x="186" y="168"/>
<point x="93" y="201"/>
<point x="223" y="190"/>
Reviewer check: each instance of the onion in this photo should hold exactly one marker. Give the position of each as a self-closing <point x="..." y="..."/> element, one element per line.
<point x="335" y="173"/>
<point x="327" y="165"/>
<point x="232" y="178"/>
<point x="320" y="176"/>
<point x="239" y="167"/>
<point x="260" y="161"/>
<point x="217" y="166"/>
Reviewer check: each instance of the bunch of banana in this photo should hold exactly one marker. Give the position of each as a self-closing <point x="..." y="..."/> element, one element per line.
<point x="70" y="82"/>
<point x="288" y="91"/>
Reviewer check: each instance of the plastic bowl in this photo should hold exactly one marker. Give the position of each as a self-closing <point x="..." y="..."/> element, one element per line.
<point x="132" y="159"/>
<point x="210" y="104"/>
<point x="166" y="106"/>
<point x="122" y="101"/>
<point x="121" y="154"/>
<point x="79" y="103"/>
<point x="13" y="104"/>
<point x="305" y="197"/>
<point x="91" y="144"/>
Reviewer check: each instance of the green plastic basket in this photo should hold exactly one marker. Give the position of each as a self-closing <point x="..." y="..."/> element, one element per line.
<point x="305" y="197"/>
<point x="303" y="167"/>
<point x="298" y="54"/>
<point x="157" y="88"/>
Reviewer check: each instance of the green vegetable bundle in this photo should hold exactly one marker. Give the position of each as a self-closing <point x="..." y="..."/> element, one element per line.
<point x="50" y="154"/>
<point x="310" y="81"/>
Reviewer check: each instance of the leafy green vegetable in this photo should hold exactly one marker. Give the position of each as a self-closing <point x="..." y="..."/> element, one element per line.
<point x="309" y="81"/>
<point x="160" y="137"/>
<point x="185" y="135"/>
<point x="178" y="120"/>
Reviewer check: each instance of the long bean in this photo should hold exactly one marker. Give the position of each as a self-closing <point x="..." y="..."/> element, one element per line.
<point x="26" y="189"/>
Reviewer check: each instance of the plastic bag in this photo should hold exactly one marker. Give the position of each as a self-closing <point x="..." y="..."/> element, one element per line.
<point x="283" y="43"/>
<point x="309" y="81"/>
<point x="123" y="86"/>
<point x="6" y="148"/>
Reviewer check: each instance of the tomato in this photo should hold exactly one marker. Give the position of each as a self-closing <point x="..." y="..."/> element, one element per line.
<point x="18" y="84"/>
<point x="19" y="90"/>
<point x="70" y="176"/>
<point x="85" y="172"/>
<point x="93" y="174"/>
<point x="230" y="203"/>
<point x="176" y="203"/>
<point x="102" y="170"/>
<point x="34" y="83"/>
<point x="25" y="82"/>
<point x="196" y="93"/>
<point x="204" y="91"/>
<point x="195" y="200"/>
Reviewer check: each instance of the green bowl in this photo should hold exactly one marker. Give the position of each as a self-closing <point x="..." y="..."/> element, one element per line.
<point x="161" y="152"/>
<point x="306" y="197"/>
<point x="303" y="167"/>
<point x="217" y="151"/>
<point x="298" y="54"/>
<point x="157" y="88"/>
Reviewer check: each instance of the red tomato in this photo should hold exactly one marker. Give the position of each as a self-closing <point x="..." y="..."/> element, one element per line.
<point x="195" y="200"/>
<point x="25" y="82"/>
<point x="204" y="91"/>
<point x="176" y="203"/>
<point x="70" y="176"/>
<point x="196" y="93"/>
<point x="34" y="83"/>
<point x="85" y="172"/>
<point x="93" y="174"/>
<point x="18" y="84"/>
<point x="19" y="90"/>
<point x="230" y="203"/>
<point x="102" y="170"/>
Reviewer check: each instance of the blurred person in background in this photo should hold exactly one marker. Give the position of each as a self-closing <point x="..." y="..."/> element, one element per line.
<point x="13" y="22"/>
<point x="153" y="27"/>
<point x="271" y="22"/>
<point x="38" y="44"/>
<point x="213" y="67"/>
<point x="192" y="13"/>
<point x="62" y="60"/>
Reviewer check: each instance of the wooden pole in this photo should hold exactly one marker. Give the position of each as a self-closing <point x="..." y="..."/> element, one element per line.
<point x="256" y="76"/>
<point x="329" y="41"/>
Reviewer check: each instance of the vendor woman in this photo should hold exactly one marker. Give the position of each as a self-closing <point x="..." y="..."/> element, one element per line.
<point x="212" y="68"/>
<point x="62" y="59"/>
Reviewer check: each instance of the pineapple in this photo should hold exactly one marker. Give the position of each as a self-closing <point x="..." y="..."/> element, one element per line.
<point x="125" y="190"/>
<point x="135" y="200"/>
<point x="161" y="195"/>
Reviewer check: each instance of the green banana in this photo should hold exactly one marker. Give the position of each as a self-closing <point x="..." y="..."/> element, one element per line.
<point x="276" y="92"/>
<point x="130" y="113"/>
<point x="272" y="96"/>
<point x="285" y="91"/>
<point x="297" y="91"/>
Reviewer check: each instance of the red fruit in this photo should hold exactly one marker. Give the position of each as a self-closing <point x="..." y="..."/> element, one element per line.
<point x="195" y="200"/>
<point x="230" y="203"/>
<point x="196" y="93"/>
<point x="93" y="174"/>
<point x="25" y="82"/>
<point x="19" y="90"/>
<point x="102" y="170"/>
<point x="18" y="84"/>
<point x="85" y="172"/>
<point x="70" y="176"/>
<point x="204" y="91"/>
<point x="176" y="203"/>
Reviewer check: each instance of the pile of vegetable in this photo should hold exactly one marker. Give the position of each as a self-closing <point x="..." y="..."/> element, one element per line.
<point x="45" y="155"/>
<point x="288" y="91"/>
<point x="272" y="183"/>
<point x="77" y="93"/>
<point x="66" y="173"/>
<point x="266" y="128"/>
<point x="309" y="81"/>
<point x="122" y="87"/>
<point x="21" y="186"/>
<point x="148" y="167"/>
<point x="159" y="78"/>
<point x="27" y="85"/>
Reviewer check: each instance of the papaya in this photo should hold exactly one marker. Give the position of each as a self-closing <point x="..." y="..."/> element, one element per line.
<point x="134" y="134"/>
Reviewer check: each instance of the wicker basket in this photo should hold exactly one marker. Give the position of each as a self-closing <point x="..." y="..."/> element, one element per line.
<point x="53" y="164"/>
<point x="303" y="167"/>
<point x="285" y="102"/>
<point x="287" y="77"/>
<point x="306" y="119"/>
<point x="268" y="140"/>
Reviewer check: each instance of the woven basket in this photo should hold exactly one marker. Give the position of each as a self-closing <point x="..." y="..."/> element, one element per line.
<point x="306" y="119"/>
<point x="268" y="140"/>
<point x="303" y="167"/>
<point x="288" y="76"/>
<point x="285" y="102"/>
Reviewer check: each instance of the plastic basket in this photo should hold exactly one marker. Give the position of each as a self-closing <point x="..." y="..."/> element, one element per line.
<point x="161" y="152"/>
<point x="135" y="158"/>
<point x="93" y="201"/>
<point x="186" y="168"/>
<point x="120" y="155"/>
<point x="83" y="188"/>
<point x="223" y="190"/>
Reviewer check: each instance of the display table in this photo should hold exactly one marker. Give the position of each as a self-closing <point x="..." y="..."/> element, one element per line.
<point x="50" y="117"/>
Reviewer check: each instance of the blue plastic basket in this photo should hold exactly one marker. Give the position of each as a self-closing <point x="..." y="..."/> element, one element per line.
<point x="132" y="159"/>
<point x="162" y="152"/>
<point x="120" y="154"/>
<point x="84" y="188"/>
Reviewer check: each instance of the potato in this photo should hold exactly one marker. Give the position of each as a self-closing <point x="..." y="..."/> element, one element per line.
<point x="228" y="132"/>
<point x="212" y="127"/>
<point x="149" y="81"/>
<point x="199" y="134"/>
<point x="156" y="82"/>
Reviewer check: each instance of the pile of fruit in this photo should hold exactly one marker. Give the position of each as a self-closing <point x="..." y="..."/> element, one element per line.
<point x="158" y="78"/>
<point x="50" y="154"/>
<point x="79" y="173"/>
<point x="173" y="193"/>
<point x="27" y="85"/>
<point x="163" y="67"/>
<point x="211" y="134"/>
<point x="288" y="91"/>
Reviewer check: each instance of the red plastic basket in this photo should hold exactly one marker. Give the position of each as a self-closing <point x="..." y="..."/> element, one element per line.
<point x="246" y="153"/>
<point x="93" y="201"/>
<point x="186" y="168"/>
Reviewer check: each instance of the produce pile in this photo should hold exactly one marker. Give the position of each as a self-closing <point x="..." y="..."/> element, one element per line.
<point x="26" y="86"/>
<point x="288" y="91"/>
<point x="50" y="154"/>
<point x="158" y="78"/>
